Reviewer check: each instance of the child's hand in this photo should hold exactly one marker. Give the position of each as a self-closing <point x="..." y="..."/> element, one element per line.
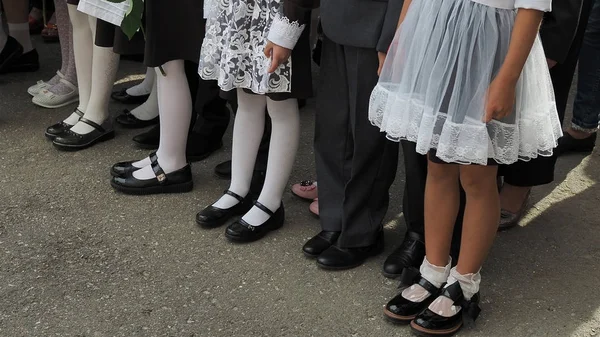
<point x="500" y="99"/>
<point x="277" y="54"/>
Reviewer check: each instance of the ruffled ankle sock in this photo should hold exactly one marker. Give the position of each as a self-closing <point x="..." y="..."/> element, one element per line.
<point x="436" y="275"/>
<point x="469" y="284"/>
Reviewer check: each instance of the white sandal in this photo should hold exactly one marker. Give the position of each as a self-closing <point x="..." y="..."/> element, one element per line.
<point x="47" y="99"/>
<point x="41" y="85"/>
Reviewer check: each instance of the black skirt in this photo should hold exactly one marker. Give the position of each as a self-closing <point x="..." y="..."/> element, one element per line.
<point x="173" y="31"/>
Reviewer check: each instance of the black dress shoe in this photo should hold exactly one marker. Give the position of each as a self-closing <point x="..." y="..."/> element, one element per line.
<point x="58" y="129"/>
<point x="27" y="62"/>
<point x="241" y="231"/>
<point x="200" y="148"/>
<point x="125" y="98"/>
<point x="223" y="170"/>
<point x="179" y="181"/>
<point x="336" y="258"/>
<point x="125" y="167"/>
<point x="212" y="217"/>
<point x="72" y="141"/>
<point x="11" y="52"/>
<point x="129" y="121"/>
<point x="402" y="311"/>
<point x="432" y="324"/>
<point x="319" y="243"/>
<point x="148" y="140"/>
<point x="569" y="144"/>
<point x="410" y="254"/>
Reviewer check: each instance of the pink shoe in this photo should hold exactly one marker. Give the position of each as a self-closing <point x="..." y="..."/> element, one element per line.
<point x="306" y="190"/>
<point x="314" y="207"/>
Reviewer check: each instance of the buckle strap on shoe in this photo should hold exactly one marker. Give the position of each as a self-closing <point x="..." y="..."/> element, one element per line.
<point x="78" y="113"/>
<point x="408" y="277"/>
<point x="428" y="286"/>
<point x="92" y="124"/>
<point x="247" y="225"/>
<point x="264" y="208"/>
<point x="158" y="172"/>
<point x="454" y="292"/>
<point x="234" y="195"/>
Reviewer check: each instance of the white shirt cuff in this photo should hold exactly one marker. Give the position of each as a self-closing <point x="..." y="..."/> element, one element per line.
<point x="285" y="33"/>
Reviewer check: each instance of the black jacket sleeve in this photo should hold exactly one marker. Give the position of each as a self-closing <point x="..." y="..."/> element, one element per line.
<point x="299" y="10"/>
<point x="390" y="24"/>
<point x="559" y="27"/>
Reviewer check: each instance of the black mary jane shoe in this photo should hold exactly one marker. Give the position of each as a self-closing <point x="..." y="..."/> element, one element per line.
<point x="125" y="167"/>
<point x="336" y="258"/>
<point x="179" y="181"/>
<point x="73" y="141"/>
<point x="410" y="254"/>
<point x="58" y="129"/>
<point x="213" y="217"/>
<point x="125" y="98"/>
<point x="428" y="323"/>
<point x="399" y="310"/>
<point x="320" y="243"/>
<point x="241" y="231"/>
<point x="129" y="121"/>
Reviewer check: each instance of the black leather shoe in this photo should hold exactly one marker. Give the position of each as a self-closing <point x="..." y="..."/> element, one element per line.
<point x="149" y="139"/>
<point x="72" y="141"/>
<point x="129" y="121"/>
<point x="402" y="311"/>
<point x="336" y="258"/>
<point x="569" y="144"/>
<point x="179" y="181"/>
<point x="320" y="243"/>
<point x="125" y="98"/>
<point x="58" y="129"/>
<point x="223" y="170"/>
<point x="431" y="324"/>
<point x="212" y="217"/>
<point x="410" y="254"/>
<point x="200" y="148"/>
<point x="12" y="51"/>
<point x="125" y="167"/>
<point x="241" y="231"/>
<point x="27" y="62"/>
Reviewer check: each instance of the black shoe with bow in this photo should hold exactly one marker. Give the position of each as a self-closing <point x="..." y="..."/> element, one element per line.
<point x="73" y="141"/>
<point x="213" y="217"/>
<point x="403" y="311"/>
<point x="429" y="323"/>
<point x="125" y="98"/>
<point x="129" y="121"/>
<point x="320" y="243"/>
<point x="179" y="181"/>
<point x="336" y="258"/>
<point x="410" y="254"/>
<point x="242" y="231"/>
<point x="58" y="129"/>
<point x="125" y="167"/>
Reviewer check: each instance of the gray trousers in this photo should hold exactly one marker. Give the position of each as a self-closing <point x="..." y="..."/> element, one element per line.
<point x="355" y="163"/>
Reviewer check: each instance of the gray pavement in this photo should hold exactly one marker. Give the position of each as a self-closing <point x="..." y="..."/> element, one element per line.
<point x="78" y="259"/>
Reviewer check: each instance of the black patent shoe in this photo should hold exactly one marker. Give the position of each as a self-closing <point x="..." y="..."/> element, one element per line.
<point x="12" y="51"/>
<point x="336" y="258"/>
<point x="320" y="243"/>
<point x="569" y="144"/>
<point x="58" y="129"/>
<point x="125" y="98"/>
<point x="410" y="254"/>
<point x="200" y="147"/>
<point x="129" y="121"/>
<point x="72" y="141"/>
<point x="428" y="323"/>
<point x="148" y="140"/>
<point x="241" y="231"/>
<point x="402" y="311"/>
<point x="212" y="217"/>
<point x="179" y="181"/>
<point x="125" y="167"/>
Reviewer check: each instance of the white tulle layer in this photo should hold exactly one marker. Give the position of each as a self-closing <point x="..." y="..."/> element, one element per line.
<point x="432" y="90"/>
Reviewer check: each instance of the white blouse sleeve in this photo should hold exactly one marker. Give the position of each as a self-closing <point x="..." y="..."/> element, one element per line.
<point x="285" y="33"/>
<point x="540" y="5"/>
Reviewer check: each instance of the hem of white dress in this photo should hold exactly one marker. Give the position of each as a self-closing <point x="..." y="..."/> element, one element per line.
<point x="285" y="33"/>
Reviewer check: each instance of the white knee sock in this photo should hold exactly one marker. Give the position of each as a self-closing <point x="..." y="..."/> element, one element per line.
<point x="148" y="110"/>
<point x="285" y="136"/>
<point x="145" y="87"/>
<point x="20" y="31"/>
<point x="3" y="35"/>
<point x="175" y="107"/>
<point x="247" y="134"/>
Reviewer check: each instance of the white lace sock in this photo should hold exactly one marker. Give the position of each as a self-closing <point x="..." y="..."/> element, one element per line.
<point x="469" y="284"/>
<point x="3" y="36"/>
<point x="20" y="31"/>
<point x="285" y="136"/>
<point x="247" y="132"/>
<point x="145" y="87"/>
<point x="434" y="274"/>
<point x="83" y="42"/>
<point x="149" y="109"/>
<point x="175" y="106"/>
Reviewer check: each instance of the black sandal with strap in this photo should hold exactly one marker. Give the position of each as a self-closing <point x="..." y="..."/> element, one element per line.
<point x="242" y="231"/>
<point x="58" y="129"/>
<point x="125" y="167"/>
<point x="179" y="181"/>
<point x="401" y="310"/>
<point x="213" y="217"/>
<point x="73" y="141"/>
<point x="428" y="323"/>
